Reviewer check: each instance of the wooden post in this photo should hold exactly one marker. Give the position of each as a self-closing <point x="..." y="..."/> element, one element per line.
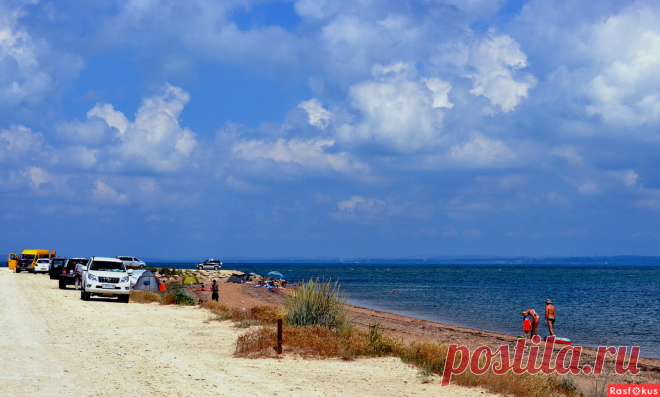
<point x="279" y="336"/>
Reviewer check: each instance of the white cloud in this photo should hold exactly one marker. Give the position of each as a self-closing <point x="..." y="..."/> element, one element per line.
<point x="588" y="189"/>
<point x="350" y="204"/>
<point x="317" y="115"/>
<point x="476" y="8"/>
<point x="29" y="69"/>
<point x="358" y="207"/>
<point x="626" y="48"/>
<point x="308" y="153"/>
<point x="494" y="65"/>
<point x="104" y="193"/>
<point x="482" y="152"/>
<point x="154" y="142"/>
<point x="112" y="117"/>
<point x="398" y="109"/>
<point x="20" y="143"/>
<point x="498" y="60"/>
<point x="627" y="177"/>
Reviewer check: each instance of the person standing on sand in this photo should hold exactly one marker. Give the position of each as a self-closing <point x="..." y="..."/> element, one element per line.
<point x="550" y="316"/>
<point x="78" y="276"/>
<point x="214" y="288"/>
<point x="535" y="320"/>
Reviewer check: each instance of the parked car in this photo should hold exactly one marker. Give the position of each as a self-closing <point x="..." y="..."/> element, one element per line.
<point x="131" y="261"/>
<point x="107" y="277"/>
<point x="68" y="275"/>
<point x="56" y="265"/>
<point x="209" y="264"/>
<point x="42" y="265"/>
<point x="29" y="258"/>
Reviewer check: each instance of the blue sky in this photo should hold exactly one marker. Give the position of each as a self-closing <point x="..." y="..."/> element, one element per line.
<point x="330" y="128"/>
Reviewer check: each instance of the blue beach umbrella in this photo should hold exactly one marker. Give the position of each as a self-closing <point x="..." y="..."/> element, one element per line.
<point x="275" y="274"/>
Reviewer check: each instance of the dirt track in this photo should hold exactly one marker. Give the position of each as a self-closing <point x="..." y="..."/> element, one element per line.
<point x="54" y="344"/>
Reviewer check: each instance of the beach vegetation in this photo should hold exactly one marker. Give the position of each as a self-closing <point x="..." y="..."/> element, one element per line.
<point x="317" y="341"/>
<point x="253" y="316"/>
<point x="167" y="272"/>
<point x="178" y="297"/>
<point x="317" y="303"/>
<point x="145" y="297"/>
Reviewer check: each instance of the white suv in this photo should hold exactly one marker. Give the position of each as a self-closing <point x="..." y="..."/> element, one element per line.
<point x="132" y="261"/>
<point x="107" y="277"/>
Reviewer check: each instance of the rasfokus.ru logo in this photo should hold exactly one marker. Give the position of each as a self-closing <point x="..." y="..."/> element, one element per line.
<point x="501" y="363"/>
<point x="633" y="390"/>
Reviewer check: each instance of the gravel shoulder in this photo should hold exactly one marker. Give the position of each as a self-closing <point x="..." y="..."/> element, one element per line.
<point x="54" y="344"/>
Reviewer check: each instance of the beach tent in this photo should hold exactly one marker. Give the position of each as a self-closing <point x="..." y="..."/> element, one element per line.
<point x="147" y="282"/>
<point x="235" y="278"/>
<point x="135" y="276"/>
<point x="190" y="279"/>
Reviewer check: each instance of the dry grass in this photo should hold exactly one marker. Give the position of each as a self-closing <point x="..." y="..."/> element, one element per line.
<point x="538" y="385"/>
<point x="254" y="316"/>
<point x="429" y="357"/>
<point x="145" y="297"/>
<point x="316" y="341"/>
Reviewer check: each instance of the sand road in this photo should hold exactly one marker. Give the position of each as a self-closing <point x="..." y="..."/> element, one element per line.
<point x="54" y="344"/>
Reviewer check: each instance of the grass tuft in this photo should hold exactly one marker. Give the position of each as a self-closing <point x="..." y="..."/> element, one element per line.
<point x="145" y="297"/>
<point x="319" y="303"/>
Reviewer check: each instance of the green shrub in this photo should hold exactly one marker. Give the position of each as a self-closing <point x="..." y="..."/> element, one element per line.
<point x="317" y="303"/>
<point x="177" y="296"/>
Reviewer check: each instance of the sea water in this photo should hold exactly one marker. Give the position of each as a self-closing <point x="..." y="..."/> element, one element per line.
<point x="596" y="304"/>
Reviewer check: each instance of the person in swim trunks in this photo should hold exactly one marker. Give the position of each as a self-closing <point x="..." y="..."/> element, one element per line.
<point x="550" y="316"/>
<point x="535" y="320"/>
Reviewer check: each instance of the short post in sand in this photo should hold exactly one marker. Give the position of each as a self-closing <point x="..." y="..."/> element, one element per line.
<point x="279" y="336"/>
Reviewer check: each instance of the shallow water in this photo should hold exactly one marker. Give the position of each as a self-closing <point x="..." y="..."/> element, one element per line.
<point x="596" y="304"/>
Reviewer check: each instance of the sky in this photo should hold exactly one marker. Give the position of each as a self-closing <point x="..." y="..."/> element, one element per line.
<point x="330" y="128"/>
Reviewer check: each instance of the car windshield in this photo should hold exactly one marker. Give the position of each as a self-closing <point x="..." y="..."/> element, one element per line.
<point x="58" y="261"/>
<point x="26" y="256"/>
<point x="43" y="261"/>
<point x="107" y="266"/>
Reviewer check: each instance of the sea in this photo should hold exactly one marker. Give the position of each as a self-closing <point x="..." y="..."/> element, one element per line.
<point x="597" y="305"/>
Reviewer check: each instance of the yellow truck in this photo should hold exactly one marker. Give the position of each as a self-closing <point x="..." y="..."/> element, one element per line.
<point x="27" y="259"/>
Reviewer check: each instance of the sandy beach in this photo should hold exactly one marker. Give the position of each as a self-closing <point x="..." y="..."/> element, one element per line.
<point x="54" y="344"/>
<point x="414" y="329"/>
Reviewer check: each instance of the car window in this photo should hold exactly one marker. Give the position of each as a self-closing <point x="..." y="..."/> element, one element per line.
<point x="58" y="261"/>
<point x="107" y="266"/>
<point x="27" y="256"/>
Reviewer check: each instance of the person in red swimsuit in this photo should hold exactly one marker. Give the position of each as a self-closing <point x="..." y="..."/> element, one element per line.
<point x="535" y="320"/>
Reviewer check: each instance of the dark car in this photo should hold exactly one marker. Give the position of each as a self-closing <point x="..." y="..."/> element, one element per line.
<point x="56" y="265"/>
<point x="68" y="275"/>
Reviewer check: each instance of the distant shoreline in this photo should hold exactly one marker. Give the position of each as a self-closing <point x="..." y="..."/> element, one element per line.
<point x="450" y="260"/>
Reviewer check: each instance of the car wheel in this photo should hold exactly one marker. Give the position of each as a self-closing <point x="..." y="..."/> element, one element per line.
<point x="62" y="284"/>
<point x="84" y="295"/>
<point x="216" y="268"/>
<point x="141" y="266"/>
<point x="124" y="298"/>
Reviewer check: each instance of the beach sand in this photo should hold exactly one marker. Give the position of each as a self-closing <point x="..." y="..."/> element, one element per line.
<point x="54" y="344"/>
<point x="413" y="329"/>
